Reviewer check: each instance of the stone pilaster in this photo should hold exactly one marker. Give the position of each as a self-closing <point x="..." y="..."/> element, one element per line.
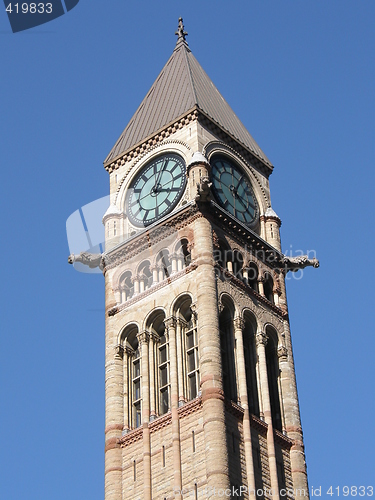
<point x="170" y="324"/>
<point x="292" y="415"/>
<point x="210" y="359"/>
<point x="261" y="341"/>
<point x="114" y="418"/>
<point x="143" y="340"/>
<point x="239" y="326"/>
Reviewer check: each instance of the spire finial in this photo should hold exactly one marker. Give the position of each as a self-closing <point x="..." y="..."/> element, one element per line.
<point x="181" y="33"/>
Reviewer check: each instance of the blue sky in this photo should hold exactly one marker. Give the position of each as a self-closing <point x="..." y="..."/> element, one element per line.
<point x="300" y="75"/>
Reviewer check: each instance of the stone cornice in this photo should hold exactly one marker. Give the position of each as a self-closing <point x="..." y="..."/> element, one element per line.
<point x="154" y="288"/>
<point x="258" y="424"/>
<point x="169" y="129"/>
<point x="284" y="441"/>
<point x="245" y="236"/>
<point x="249" y="291"/>
<point x="163" y="421"/>
<point x="131" y="437"/>
<point x="151" y="236"/>
<point x="152" y="140"/>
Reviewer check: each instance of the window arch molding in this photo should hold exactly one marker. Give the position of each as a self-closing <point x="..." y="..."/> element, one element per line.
<point x="127" y="332"/>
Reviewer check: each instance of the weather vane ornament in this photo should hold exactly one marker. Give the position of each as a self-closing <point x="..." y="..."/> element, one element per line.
<point x="181" y="33"/>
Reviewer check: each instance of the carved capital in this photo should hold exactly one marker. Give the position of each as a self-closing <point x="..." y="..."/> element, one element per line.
<point x="239" y="324"/>
<point x="154" y="337"/>
<point x="261" y="338"/>
<point x="170" y="322"/>
<point x="282" y="353"/>
<point x="143" y="337"/>
<point x="194" y="311"/>
<point x="119" y="351"/>
<point x="129" y="351"/>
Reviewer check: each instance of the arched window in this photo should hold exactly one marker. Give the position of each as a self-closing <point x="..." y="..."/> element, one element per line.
<point x="145" y="275"/>
<point x="164" y="264"/>
<point x="227" y="353"/>
<point x="273" y="379"/>
<point x="250" y="367"/>
<point x="237" y="264"/>
<point x="268" y="287"/>
<point x="182" y="249"/>
<point x="126" y="286"/>
<point x="252" y="276"/>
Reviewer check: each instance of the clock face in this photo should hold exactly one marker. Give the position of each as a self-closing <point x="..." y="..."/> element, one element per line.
<point x="156" y="189"/>
<point x="233" y="190"/>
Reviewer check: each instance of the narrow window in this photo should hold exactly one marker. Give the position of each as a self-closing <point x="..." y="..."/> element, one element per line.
<point x="250" y="368"/>
<point x="192" y="361"/>
<point x="116" y="178"/>
<point x="163" y="454"/>
<point x="196" y="491"/>
<point x="114" y="228"/>
<point x="273" y="386"/>
<point x="271" y="231"/>
<point x="193" y="440"/>
<point x="227" y="354"/>
<point x="135" y="470"/>
<point x="163" y="376"/>
<point x="136" y="389"/>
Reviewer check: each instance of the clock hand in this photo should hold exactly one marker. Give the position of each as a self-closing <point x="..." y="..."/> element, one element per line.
<point x="155" y="188"/>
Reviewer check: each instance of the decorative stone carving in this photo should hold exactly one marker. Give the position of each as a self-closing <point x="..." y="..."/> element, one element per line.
<point x="119" y="351"/>
<point x="92" y="260"/>
<point x="170" y="322"/>
<point x="282" y="353"/>
<point x="239" y="324"/>
<point x="295" y="263"/>
<point x="143" y="337"/>
<point x="204" y="190"/>
<point x="261" y="338"/>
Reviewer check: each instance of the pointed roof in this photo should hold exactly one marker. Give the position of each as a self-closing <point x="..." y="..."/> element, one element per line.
<point x="181" y="87"/>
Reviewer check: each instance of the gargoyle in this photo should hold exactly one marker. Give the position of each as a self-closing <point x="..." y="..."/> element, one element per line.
<point x="295" y="263"/>
<point x="88" y="259"/>
<point x="204" y="189"/>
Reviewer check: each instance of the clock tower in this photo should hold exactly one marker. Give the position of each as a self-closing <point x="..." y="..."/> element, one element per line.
<point x="201" y="397"/>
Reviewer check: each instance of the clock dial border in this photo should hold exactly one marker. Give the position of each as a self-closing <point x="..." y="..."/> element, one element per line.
<point x="234" y="192"/>
<point x="150" y="194"/>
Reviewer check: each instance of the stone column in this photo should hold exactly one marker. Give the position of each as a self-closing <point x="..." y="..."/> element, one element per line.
<point x="210" y="359"/>
<point x="135" y="281"/>
<point x="292" y="414"/>
<point x="143" y="340"/>
<point x="114" y="411"/>
<point x="246" y="275"/>
<point x="174" y="262"/>
<point x="261" y="341"/>
<point x="239" y="326"/>
<point x="155" y="274"/>
<point x="170" y="324"/>
<point x="261" y="285"/>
